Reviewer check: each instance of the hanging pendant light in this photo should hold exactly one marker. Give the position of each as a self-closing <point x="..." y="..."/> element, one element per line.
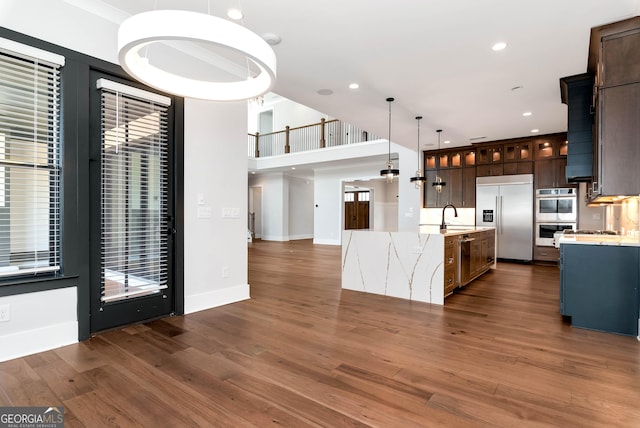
<point x="390" y="171"/>
<point x="438" y="183"/>
<point x="419" y="178"/>
<point x="139" y="32"/>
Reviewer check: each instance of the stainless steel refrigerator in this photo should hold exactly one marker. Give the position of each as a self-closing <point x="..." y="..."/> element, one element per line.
<point x="506" y="203"/>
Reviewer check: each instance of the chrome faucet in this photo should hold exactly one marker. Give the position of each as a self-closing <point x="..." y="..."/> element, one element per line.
<point x="443" y="226"/>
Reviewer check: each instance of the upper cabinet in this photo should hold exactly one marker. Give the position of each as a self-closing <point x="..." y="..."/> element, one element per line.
<point x="545" y="156"/>
<point x="489" y="154"/>
<point x="614" y="59"/>
<point x="456" y="167"/>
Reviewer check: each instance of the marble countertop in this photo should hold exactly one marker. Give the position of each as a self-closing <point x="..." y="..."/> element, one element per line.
<point x="599" y="240"/>
<point x="453" y="229"/>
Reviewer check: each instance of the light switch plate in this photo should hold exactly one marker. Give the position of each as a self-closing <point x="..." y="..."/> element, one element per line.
<point x="5" y="313"/>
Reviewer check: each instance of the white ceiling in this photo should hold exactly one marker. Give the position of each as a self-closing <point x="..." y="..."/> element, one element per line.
<point x="433" y="56"/>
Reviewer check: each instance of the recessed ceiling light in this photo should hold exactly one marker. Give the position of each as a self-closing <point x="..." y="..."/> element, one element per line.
<point x="499" y="46"/>
<point x="293" y="167"/>
<point x="535" y="130"/>
<point x="253" y="172"/>
<point x="235" y="14"/>
<point x="353" y="86"/>
<point x="526" y="114"/>
<point x="325" y="91"/>
<point x="446" y="142"/>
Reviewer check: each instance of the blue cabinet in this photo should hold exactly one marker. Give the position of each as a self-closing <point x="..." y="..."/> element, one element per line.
<point x="599" y="287"/>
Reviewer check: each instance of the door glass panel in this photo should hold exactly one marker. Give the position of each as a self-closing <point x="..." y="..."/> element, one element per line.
<point x="565" y="206"/>
<point x="548" y="206"/>
<point x="134" y="212"/>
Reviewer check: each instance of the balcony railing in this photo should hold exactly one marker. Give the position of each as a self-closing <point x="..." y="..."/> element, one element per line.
<point x="326" y="133"/>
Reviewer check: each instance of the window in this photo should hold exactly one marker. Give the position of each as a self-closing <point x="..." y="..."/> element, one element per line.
<point x="134" y="177"/>
<point x="29" y="160"/>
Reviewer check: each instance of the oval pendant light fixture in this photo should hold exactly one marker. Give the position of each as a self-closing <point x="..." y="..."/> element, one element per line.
<point x="390" y="171"/>
<point x="419" y="178"/>
<point x="139" y="31"/>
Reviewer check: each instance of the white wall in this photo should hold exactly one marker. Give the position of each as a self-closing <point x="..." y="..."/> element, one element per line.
<point x="300" y="208"/>
<point x="591" y="218"/>
<point x="275" y="205"/>
<point x="215" y="138"/>
<point x="328" y="190"/>
<point x="34" y="326"/>
<point x="385" y="204"/>
<point x="287" y="206"/>
<point x="214" y="141"/>
<point x="285" y="112"/>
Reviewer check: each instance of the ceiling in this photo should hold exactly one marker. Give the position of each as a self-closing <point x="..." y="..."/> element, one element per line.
<point x="434" y="57"/>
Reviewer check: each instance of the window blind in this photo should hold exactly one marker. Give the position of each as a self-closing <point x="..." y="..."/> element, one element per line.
<point x="134" y="182"/>
<point x="30" y="176"/>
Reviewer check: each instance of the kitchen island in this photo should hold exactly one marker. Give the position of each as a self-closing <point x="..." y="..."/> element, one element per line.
<point x="425" y="266"/>
<point x="600" y="281"/>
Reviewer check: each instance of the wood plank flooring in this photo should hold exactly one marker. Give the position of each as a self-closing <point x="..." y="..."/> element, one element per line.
<point x="305" y="353"/>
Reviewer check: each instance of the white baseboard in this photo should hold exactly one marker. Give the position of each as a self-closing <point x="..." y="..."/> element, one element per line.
<point x="297" y="237"/>
<point x="212" y="299"/>
<point x="38" y="340"/>
<point x="326" y="241"/>
<point x="279" y="238"/>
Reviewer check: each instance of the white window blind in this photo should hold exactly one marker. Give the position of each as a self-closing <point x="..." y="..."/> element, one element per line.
<point x="134" y="213"/>
<point x="29" y="160"/>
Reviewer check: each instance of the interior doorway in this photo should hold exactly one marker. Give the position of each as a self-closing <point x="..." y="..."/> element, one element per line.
<point x="357" y="209"/>
<point x="255" y="212"/>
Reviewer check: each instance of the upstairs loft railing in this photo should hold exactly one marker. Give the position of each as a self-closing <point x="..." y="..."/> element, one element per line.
<point x="326" y="133"/>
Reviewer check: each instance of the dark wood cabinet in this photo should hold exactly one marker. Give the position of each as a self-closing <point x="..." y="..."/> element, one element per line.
<point x="489" y="154"/>
<point x="489" y="170"/>
<point x="620" y="57"/>
<point x="518" y="151"/>
<point x="544" y="156"/>
<point x="619" y="140"/>
<point x="511" y="168"/>
<point x="457" y="170"/>
<point x="614" y="59"/>
<point x="550" y="147"/>
<point x="546" y="254"/>
<point x="451" y="280"/>
<point x="550" y="173"/>
<point x="468" y="187"/>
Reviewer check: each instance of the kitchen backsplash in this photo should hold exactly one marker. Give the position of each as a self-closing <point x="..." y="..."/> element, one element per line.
<point x="433" y="216"/>
<point x="624" y="217"/>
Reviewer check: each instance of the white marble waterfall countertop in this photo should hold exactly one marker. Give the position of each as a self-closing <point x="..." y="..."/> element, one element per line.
<point x="452" y="229"/>
<point x="408" y="265"/>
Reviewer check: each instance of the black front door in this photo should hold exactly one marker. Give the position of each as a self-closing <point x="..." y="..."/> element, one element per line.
<point x="132" y="209"/>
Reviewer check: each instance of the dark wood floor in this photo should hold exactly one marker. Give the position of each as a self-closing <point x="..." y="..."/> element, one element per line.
<point x="303" y="352"/>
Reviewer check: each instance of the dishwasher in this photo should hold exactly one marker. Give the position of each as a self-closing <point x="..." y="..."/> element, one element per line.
<point x="465" y="259"/>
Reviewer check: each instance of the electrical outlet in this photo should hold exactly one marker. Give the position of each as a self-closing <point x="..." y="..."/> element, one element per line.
<point x="5" y="313"/>
<point x="225" y="271"/>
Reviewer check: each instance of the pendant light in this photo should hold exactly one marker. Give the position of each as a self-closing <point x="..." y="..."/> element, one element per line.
<point x="419" y="178"/>
<point x="438" y="183"/>
<point x="138" y="32"/>
<point x="390" y="171"/>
